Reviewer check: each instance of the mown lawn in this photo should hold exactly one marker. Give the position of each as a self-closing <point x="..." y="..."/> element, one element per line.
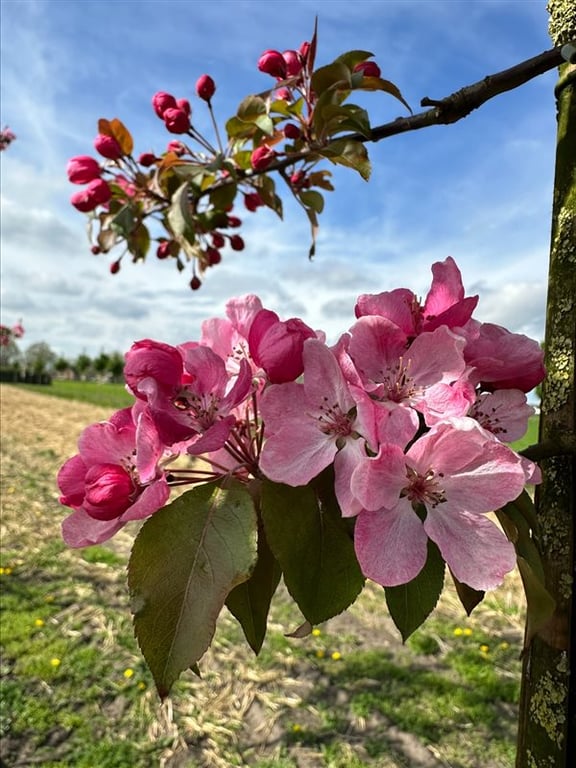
<point x="112" y="396"/>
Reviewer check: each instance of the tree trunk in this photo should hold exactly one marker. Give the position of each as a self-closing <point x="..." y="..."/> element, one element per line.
<point x="547" y="723"/>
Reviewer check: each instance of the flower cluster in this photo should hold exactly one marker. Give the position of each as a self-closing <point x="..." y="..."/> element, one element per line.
<point x="6" y="138"/>
<point x="413" y="408"/>
<point x="188" y="191"/>
<point x="8" y="334"/>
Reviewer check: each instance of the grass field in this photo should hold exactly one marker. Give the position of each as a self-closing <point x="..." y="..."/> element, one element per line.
<point x="75" y="691"/>
<point x="111" y="396"/>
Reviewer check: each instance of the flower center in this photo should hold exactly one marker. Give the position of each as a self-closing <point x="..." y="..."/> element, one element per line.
<point x="203" y="409"/>
<point x="397" y="384"/>
<point x="332" y="421"/>
<point x="424" y="489"/>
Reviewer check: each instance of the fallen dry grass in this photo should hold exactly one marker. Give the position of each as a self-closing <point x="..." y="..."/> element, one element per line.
<point x="242" y="711"/>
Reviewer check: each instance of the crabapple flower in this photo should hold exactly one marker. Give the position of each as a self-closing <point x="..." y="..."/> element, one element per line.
<point x="368" y="69"/>
<point x="453" y="475"/>
<point x="272" y="63"/>
<point x="176" y="120"/>
<point x="103" y="484"/>
<point x="276" y="346"/>
<point x="96" y="193"/>
<point x="108" y="147"/>
<point x="205" y="87"/>
<point x="293" y="63"/>
<point x="504" y="413"/>
<point x="262" y="157"/>
<point x="162" y="101"/>
<point x="83" y="169"/>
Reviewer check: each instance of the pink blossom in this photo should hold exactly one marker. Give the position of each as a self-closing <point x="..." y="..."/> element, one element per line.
<point x="106" y="485"/>
<point x="184" y="105"/>
<point x="503" y="360"/>
<point x="276" y="346"/>
<point x="307" y="424"/>
<point x="453" y="474"/>
<point x="96" y="193"/>
<point x="83" y="169"/>
<point x="445" y="303"/>
<point x="504" y="413"/>
<point x="293" y="63"/>
<point x="108" y="147"/>
<point x="252" y="201"/>
<point x="18" y="330"/>
<point x="262" y="157"/>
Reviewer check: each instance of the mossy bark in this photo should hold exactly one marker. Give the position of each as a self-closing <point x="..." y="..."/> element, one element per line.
<point x="547" y="724"/>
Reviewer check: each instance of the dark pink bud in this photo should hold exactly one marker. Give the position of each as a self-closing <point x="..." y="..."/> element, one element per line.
<point x="147" y="159"/>
<point x="83" y="169"/>
<point x="283" y="94"/>
<point x="293" y="63"/>
<point x="163" y="250"/>
<point x="205" y="87"/>
<point x="291" y="131"/>
<point x="272" y="63"/>
<point x="108" y="490"/>
<point x="218" y="240"/>
<point x="115" y="267"/>
<point x="236" y="243"/>
<point x="299" y="180"/>
<point x="96" y="193"/>
<point x="195" y="283"/>
<point x="184" y="105"/>
<point x="252" y="201"/>
<point x="162" y="101"/>
<point x="177" y="147"/>
<point x="108" y="147"/>
<point x="233" y="221"/>
<point x="214" y="256"/>
<point x="304" y="50"/>
<point x="262" y="157"/>
<point x="96" y="250"/>
<point x="277" y="346"/>
<point x="176" y="120"/>
<point x="368" y="68"/>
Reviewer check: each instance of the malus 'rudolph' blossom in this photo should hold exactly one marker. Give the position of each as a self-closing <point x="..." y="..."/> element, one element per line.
<point x="205" y="87"/>
<point x="293" y="63"/>
<point x="368" y="69"/>
<point x="83" y="169"/>
<point x="262" y="157"/>
<point x="96" y="193"/>
<point x="276" y="345"/>
<point x="162" y="101"/>
<point x="102" y="483"/>
<point x="176" y="120"/>
<point x="108" y="147"/>
<point x="272" y="63"/>
<point x="504" y="413"/>
<point x="456" y="475"/>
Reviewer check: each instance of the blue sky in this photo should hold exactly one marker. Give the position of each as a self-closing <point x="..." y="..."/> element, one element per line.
<point x="479" y="190"/>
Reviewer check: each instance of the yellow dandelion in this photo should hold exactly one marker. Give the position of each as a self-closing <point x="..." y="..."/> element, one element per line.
<point x="128" y="673"/>
<point x="336" y="655"/>
<point x="458" y="631"/>
<point x="467" y="631"/>
<point x="320" y="654"/>
<point x="296" y="728"/>
<point x="141" y="686"/>
<point x="55" y="662"/>
<point x="504" y="646"/>
<point x="316" y="632"/>
<point x="484" y="648"/>
<point x="38" y="622"/>
<point x="5" y="571"/>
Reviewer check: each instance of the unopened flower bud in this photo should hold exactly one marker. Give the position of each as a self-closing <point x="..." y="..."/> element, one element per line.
<point x="218" y="240"/>
<point x="272" y="63"/>
<point x="368" y="68"/>
<point x="252" y="201"/>
<point x="176" y="120"/>
<point x="195" y="283"/>
<point x="96" y="250"/>
<point x="236" y="243"/>
<point x="176" y="147"/>
<point x="163" y="250"/>
<point x="283" y="94"/>
<point x="233" y="221"/>
<point x="291" y="131"/>
<point x="147" y="159"/>
<point x="304" y="50"/>
<point x="96" y="193"/>
<point x="262" y="157"/>
<point x="108" y="147"/>
<point x="299" y="180"/>
<point x="184" y="105"/>
<point x="213" y="255"/>
<point x="83" y="169"/>
<point x="115" y="267"/>
<point x="205" y="87"/>
<point x="162" y="101"/>
<point x="293" y="63"/>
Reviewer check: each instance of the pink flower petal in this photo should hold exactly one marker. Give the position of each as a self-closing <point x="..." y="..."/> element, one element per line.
<point x="81" y="530"/>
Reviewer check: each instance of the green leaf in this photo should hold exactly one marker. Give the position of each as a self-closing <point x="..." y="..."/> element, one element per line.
<point x="250" y="601"/>
<point x="251" y="108"/>
<point x="265" y="124"/>
<point x="347" y="117"/>
<point x="469" y="597"/>
<point x="378" y="84"/>
<point x="351" y="58"/>
<point x="223" y="196"/>
<point x="312" y="199"/>
<point x="123" y="221"/>
<point x="139" y="242"/>
<point x="311" y="542"/>
<point x="185" y="561"/>
<point x="332" y="76"/>
<point x="179" y="214"/>
<point x="352" y="154"/>
<point x="540" y="605"/>
<point x="238" y="129"/>
<point x="411" y="604"/>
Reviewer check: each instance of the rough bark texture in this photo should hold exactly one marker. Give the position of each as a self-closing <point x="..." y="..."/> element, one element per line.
<point x="547" y="725"/>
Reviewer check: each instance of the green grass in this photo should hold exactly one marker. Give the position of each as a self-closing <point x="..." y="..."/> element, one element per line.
<point x="531" y="436"/>
<point x="107" y="395"/>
